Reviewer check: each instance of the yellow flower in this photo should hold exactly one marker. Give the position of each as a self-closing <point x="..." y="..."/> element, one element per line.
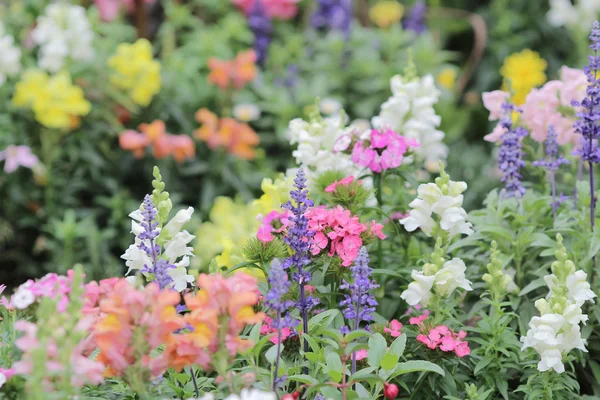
<point x="135" y="71"/>
<point x="522" y="72"/>
<point x="386" y="13"/>
<point x="55" y="101"/>
<point x="275" y="193"/>
<point x="447" y="78"/>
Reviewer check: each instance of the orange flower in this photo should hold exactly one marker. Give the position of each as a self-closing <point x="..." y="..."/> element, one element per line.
<point x="220" y="72"/>
<point x="182" y="147"/>
<point x="244" y="68"/>
<point x="162" y="147"/>
<point x="237" y="72"/>
<point x="238" y="138"/>
<point x="134" y="141"/>
<point x="181" y="352"/>
<point x="154" y="130"/>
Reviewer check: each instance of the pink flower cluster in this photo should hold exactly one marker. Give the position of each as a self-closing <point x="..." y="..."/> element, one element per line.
<point x="441" y="337"/>
<point x="109" y="9"/>
<point x="542" y="107"/>
<point x="267" y="226"/>
<point x="267" y="329"/>
<point x="96" y="292"/>
<point x="52" y="285"/>
<point x="280" y="9"/>
<point x="385" y="150"/>
<point x="340" y="231"/>
<point x="393" y="328"/>
<point x="82" y="370"/>
<point x="342" y="182"/>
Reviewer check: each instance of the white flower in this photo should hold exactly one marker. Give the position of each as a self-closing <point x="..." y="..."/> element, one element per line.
<point x="579" y="288"/>
<point x="136" y="258"/>
<point x="418" y="291"/>
<point x="330" y="106"/>
<point x="451" y="276"/>
<point x="176" y="223"/>
<point x="563" y="12"/>
<point x="62" y="32"/>
<point x="180" y="277"/>
<point x="419" y="217"/>
<point x="177" y="247"/>
<point x="246" y="112"/>
<point x="10" y="56"/>
<point x="543" y="332"/>
<point x="23" y="298"/>
<point x="2" y="379"/>
<point x="410" y="112"/>
<point x="551" y="359"/>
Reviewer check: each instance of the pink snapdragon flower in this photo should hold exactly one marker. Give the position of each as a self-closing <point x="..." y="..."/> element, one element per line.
<point x="18" y="156"/>
<point x="272" y="219"/>
<point x="385" y="150"/>
<point x="446" y="340"/>
<point x="267" y="329"/>
<point x="109" y="9"/>
<point x="340" y="232"/>
<point x="394" y="328"/>
<point x="342" y="182"/>
<point x="280" y="9"/>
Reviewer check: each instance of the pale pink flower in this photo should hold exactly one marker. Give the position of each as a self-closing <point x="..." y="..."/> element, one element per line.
<point x="361" y="354"/>
<point x="493" y="101"/>
<point x="394" y="328"/>
<point x="18" y="156"/>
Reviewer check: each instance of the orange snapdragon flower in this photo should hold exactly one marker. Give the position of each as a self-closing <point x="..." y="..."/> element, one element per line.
<point x="163" y="144"/>
<point x="238" y="138"/>
<point x="234" y="73"/>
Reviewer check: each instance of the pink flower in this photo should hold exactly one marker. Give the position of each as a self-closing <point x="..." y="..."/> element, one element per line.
<point x="462" y="349"/>
<point x="267" y="328"/>
<point x="280" y="9"/>
<point x="376" y="229"/>
<point x="109" y="9"/>
<point x="496" y="134"/>
<point x="385" y="150"/>
<point x="361" y="354"/>
<point x="17" y="156"/>
<point x="418" y="320"/>
<point x="493" y="101"/>
<point x="574" y="83"/>
<point x="444" y="338"/>
<point x="267" y="227"/>
<point x="394" y="328"/>
<point x="343" y="182"/>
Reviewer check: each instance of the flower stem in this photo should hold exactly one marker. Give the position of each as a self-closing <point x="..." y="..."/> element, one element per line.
<point x="554" y="205"/>
<point x="193" y="374"/>
<point x="304" y="321"/>
<point x="278" y="352"/>
<point x="379" y="197"/>
<point x="592" y="196"/>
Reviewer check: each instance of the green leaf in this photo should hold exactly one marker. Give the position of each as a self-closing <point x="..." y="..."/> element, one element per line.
<point x="416" y="366"/>
<point x="397" y="347"/>
<point x="316" y="321"/>
<point x="532" y="286"/>
<point x="389" y="361"/>
<point x="303" y="379"/>
<point x="271" y="354"/>
<point x="482" y="364"/>
<point x="377" y="348"/>
<point x="357" y="334"/>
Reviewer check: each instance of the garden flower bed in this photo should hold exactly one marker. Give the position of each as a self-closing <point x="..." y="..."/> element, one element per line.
<point x="279" y="199"/>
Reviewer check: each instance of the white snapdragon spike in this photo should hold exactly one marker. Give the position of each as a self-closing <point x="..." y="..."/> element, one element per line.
<point x="451" y="276"/>
<point x="557" y="330"/>
<point x="321" y="143"/>
<point x="419" y="291"/>
<point x="443" y="200"/>
<point x="10" y="56"/>
<point x="63" y="32"/>
<point x="175" y="250"/>
<point x="410" y="112"/>
<point x="565" y="13"/>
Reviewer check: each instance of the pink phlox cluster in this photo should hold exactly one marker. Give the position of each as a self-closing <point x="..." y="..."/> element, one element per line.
<point x="342" y="182"/>
<point x="275" y="221"/>
<point x="280" y="9"/>
<point x="393" y="328"/>
<point x="339" y="231"/>
<point x="83" y="370"/>
<point x="361" y="354"/>
<point x="446" y="340"/>
<point x="385" y="150"/>
<point x="267" y="329"/>
<point x="4" y="302"/>
<point x="543" y="107"/>
<point x="418" y="320"/>
<point x="51" y="285"/>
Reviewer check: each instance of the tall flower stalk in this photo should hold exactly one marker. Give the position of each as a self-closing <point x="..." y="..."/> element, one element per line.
<point x="359" y="303"/>
<point x="279" y="286"/>
<point x="510" y="158"/>
<point x="588" y="115"/>
<point x="260" y="24"/>
<point x="299" y="239"/>
<point x="551" y="164"/>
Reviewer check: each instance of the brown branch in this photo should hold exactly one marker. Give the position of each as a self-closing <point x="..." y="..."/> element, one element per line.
<point x="140" y="19"/>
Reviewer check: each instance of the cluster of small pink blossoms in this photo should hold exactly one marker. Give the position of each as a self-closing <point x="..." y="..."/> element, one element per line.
<point x="273" y="222"/>
<point x="52" y="285"/>
<point x="342" y="182"/>
<point x="340" y="231"/>
<point x="385" y="150"/>
<point x="442" y="337"/>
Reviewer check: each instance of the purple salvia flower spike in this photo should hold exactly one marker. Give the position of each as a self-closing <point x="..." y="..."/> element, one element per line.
<point x="510" y="157"/>
<point x="262" y="28"/>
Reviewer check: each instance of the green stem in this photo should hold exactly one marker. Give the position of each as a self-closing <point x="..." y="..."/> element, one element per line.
<point x="379" y="197"/>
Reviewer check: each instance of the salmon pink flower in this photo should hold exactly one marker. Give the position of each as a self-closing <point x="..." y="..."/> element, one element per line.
<point x="394" y="328"/>
<point x="280" y="9"/>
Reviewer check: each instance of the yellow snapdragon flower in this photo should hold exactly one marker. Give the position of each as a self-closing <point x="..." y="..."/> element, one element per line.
<point x="275" y="193"/>
<point x="386" y="13"/>
<point x="55" y="101"/>
<point x="522" y="72"/>
<point x="134" y="70"/>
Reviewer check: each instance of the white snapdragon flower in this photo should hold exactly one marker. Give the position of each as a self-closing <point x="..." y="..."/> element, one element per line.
<point x="410" y="112"/>
<point x="22" y="298"/>
<point x="419" y="291"/>
<point x="446" y="204"/>
<point x="451" y="276"/>
<point x="176" y="250"/>
<point x="579" y="288"/>
<point x="10" y="56"/>
<point x="565" y="13"/>
<point x="330" y="106"/>
<point x="63" y="32"/>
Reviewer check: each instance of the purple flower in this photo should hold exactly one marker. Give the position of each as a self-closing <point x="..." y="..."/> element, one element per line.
<point x="159" y="266"/>
<point x="415" y="20"/>
<point x="260" y="24"/>
<point x="279" y="286"/>
<point x="510" y="158"/>
<point x="333" y="15"/>
<point x="17" y="156"/>
<point x="359" y="303"/>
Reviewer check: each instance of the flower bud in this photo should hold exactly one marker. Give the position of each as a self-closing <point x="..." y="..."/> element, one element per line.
<point x="390" y="391"/>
